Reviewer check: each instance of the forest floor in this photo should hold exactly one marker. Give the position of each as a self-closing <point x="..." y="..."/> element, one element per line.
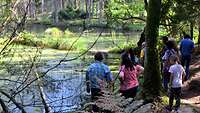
<point x="191" y="88"/>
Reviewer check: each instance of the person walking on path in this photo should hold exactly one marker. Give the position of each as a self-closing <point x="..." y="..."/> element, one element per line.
<point x="186" y="49"/>
<point x="166" y="64"/>
<point x="163" y="50"/>
<point x="164" y="47"/>
<point x="176" y="79"/>
<point x="128" y="77"/>
<point x="97" y="75"/>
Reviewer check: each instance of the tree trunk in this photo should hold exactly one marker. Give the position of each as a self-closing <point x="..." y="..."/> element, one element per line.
<point x="70" y="3"/>
<point x="199" y="33"/>
<point x="61" y="4"/>
<point x="97" y="9"/>
<point x="146" y="4"/>
<point x="92" y="3"/>
<point x="32" y="9"/>
<point x="55" y="11"/>
<point x="42" y="6"/>
<point x="87" y="8"/>
<point x="152" y="80"/>
<point x="102" y="8"/>
<point x="82" y="5"/>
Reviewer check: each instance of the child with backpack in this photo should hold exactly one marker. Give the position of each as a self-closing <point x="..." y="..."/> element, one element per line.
<point x="177" y="74"/>
<point x="171" y="50"/>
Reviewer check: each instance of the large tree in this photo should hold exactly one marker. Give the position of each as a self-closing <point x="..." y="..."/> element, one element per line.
<point x="152" y="81"/>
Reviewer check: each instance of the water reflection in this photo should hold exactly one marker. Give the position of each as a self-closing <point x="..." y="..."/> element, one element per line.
<point x="64" y="87"/>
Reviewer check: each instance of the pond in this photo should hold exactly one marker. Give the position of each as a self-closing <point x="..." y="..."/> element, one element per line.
<point x="63" y="86"/>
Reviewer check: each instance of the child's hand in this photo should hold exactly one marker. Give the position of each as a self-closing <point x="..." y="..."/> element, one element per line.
<point x="183" y="81"/>
<point x="168" y="91"/>
<point x="88" y="87"/>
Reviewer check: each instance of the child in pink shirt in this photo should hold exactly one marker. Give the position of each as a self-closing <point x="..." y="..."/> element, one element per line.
<point x="128" y="77"/>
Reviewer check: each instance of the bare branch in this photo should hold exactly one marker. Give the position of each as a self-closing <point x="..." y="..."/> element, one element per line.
<point x="4" y="107"/>
<point x="18" y="105"/>
<point x="18" y="28"/>
<point x="63" y="60"/>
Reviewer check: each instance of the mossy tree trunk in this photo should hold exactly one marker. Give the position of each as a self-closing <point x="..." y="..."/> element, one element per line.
<point x="199" y="33"/>
<point x="152" y="81"/>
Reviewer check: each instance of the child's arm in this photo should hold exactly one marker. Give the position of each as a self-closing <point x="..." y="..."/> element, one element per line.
<point x="184" y="75"/>
<point x="139" y="69"/>
<point x="121" y="74"/>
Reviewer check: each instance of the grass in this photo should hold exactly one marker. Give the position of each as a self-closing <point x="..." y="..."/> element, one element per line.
<point x="56" y="39"/>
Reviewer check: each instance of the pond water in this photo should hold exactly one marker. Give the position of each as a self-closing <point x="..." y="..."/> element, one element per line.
<point x="64" y="86"/>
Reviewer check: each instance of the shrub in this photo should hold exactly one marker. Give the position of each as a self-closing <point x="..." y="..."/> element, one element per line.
<point x="121" y="48"/>
<point x="54" y="32"/>
<point x="25" y="38"/>
<point x="68" y="34"/>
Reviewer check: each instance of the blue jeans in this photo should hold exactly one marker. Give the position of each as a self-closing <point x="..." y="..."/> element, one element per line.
<point x="185" y="61"/>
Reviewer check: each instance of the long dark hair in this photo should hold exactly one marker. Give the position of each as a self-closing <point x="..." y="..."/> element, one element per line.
<point x="127" y="61"/>
<point x="171" y="44"/>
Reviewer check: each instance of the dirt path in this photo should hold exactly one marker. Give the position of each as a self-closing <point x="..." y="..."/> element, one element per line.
<point x="191" y="88"/>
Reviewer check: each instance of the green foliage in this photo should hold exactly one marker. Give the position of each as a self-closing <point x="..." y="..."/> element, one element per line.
<point x="178" y="13"/>
<point x="68" y="33"/>
<point x="54" y="32"/>
<point x="122" y="47"/>
<point x="71" y="13"/>
<point x="25" y="38"/>
<point x="52" y="38"/>
<point x="118" y="11"/>
<point x="45" y="19"/>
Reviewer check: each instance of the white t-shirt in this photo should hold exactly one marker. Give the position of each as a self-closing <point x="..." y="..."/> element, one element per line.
<point x="176" y="71"/>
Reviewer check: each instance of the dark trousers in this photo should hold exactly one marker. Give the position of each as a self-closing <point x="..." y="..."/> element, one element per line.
<point x="185" y="61"/>
<point x="166" y="79"/>
<point x="130" y="93"/>
<point x="175" y="93"/>
<point x="95" y="92"/>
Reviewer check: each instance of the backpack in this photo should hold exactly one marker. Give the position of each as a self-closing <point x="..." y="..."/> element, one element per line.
<point x="165" y="58"/>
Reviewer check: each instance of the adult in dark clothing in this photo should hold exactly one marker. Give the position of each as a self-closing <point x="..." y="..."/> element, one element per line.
<point x="142" y="39"/>
<point x="163" y="49"/>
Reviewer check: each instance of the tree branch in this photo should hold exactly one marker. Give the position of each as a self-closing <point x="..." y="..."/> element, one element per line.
<point x="4" y="107"/>
<point x="18" y="105"/>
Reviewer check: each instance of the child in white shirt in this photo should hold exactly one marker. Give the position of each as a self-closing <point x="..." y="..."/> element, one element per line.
<point x="176" y="79"/>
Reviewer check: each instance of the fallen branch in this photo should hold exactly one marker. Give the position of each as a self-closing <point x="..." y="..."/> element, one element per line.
<point x="43" y="97"/>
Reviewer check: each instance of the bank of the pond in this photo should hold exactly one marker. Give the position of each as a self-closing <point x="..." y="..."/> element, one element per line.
<point x="64" y="85"/>
<point x="67" y="40"/>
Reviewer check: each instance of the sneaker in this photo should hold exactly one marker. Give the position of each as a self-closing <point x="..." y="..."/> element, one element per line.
<point x="168" y="108"/>
<point x="177" y="110"/>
